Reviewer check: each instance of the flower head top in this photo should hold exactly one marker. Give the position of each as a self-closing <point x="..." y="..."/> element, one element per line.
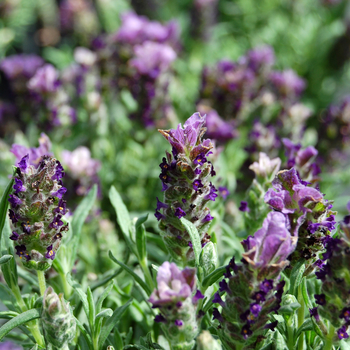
<point x="36" y="211"/>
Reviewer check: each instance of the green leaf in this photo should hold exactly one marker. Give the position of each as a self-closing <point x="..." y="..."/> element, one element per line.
<point x="105" y="313"/>
<point x="81" y="294"/>
<point x="296" y="276"/>
<point x="111" y="322"/>
<point x="85" y="334"/>
<point x="8" y="314"/>
<point x="80" y="215"/>
<point x="103" y="296"/>
<point x="306" y="326"/>
<point x="118" y="339"/>
<point x="5" y="258"/>
<point x="305" y="294"/>
<point x="141" y="237"/>
<point x="132" y="273"/>
<point x="91" y="303"/>
<point x="213" y="277"/>
<point x="19" y="320"/>
<point x="196" y="243"/>
<point x="4" y="205"/>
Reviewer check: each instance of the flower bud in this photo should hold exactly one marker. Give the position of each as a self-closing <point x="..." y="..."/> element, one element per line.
<point x="57" y="320"/>
<point x="205" y="341"/>
<point x="36" y="211"/>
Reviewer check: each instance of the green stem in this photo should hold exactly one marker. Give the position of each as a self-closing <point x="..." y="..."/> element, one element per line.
<point x="329" y="339"/>
<point x="32" y="326"/>
<point x="67" y="289"/>
<point x="42" y="283"/>
<point x="147" y="274"/>
<point x="301" y="317"/>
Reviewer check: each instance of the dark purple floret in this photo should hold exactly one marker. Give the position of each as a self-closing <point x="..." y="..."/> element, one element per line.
<point x="314" y="313"/>
<point x="161" y="205"/>
<point x="178" y="323"/>
<point x="197" y="184"/>
<point x="255" y="309"/>
<point x="190" y="244"/>
<point x="212" y="171"/>
<point x="224" y="192"/>
<point x="164" y="165"/>
<point x="246" y="331"/>
<point x="165" y="177"/>
<point x="211" y="195"/>
<point x="50" y="254"/>
<point x="26" y="227"/>
<point x="224" y="287"/>
<point x="14" y="236"/>
<point x="18" y="186"/>
<point x="158" y="215"/>
<point x="180" y="213"/>
<point x="14" y="201"/>
<point x="321" y="275"/>
<point x="320" y="299"/>
<point x="13" y="216"/>
<point x="59" y="193"/>
<point x="319" y="263"/>
<point x="217" y="315"/>
<point x="59" y="171"/>
<point x="227" y="274"/>
<point x="179" y="304"/>
<point x="197" y="171"/>
<point x="24" y="162"/>
<point x="183" y="200"/>
<point x="232" y="265"/>
<point x="208" y="218"/>
<point x="279" y="290"/>
<point x="159" y="318"/>
<point x="200" y="159"/>
<point x="345" y="314"/>
<point x="259" y="296"/>
<point x="266" y="285"/>
<point x="244" y="315"/>
<point x="197" y="296"/>
<point x="244" y="206"/>
<point x="271" y="326"/>
<point x="21" y="251"/>
<point x="330" y="244"/>
<point x="62" y="207"/>
<point x="342" y="332"/>
<point x="217" y="299"/>
<point x="57" y="222"/>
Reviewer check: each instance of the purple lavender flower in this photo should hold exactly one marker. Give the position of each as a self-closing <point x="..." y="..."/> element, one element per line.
<point x="50" y="254"/>
<point x="261" y="58"/>
<point x="14" y="236"/>
<point x="180" y="213"/>
<point x="342" y="334"/>
<point x="244" y="206"/>
<point x="14" y="201"/>
<point x="45" y="80"/>
<point x="197" y="184"/>
<point x="7" y="345"/>
<point x="224" y="192"/>
<point x="288" y="83"/>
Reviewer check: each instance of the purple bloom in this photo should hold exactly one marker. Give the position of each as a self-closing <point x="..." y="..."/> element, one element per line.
<point x="246" y="331"/>
<point x="26" y="227"/>
<point x="259" y="296"/>
<point x="159" y="319"/>
<point x="265" y="167"/>
<point x="321" y="275"/>
<point x="18" y="186"/>
<point x="173" y="285"/>
<point x="50" y="254"/>
<point x="14" y="236"/>
<point x="255" y="309"/>
<point x="164" y="165"/>
<point x="208" y="218"/>
<point x="180" y="213"/>
<point x="197" y="296"/>
<point x="328" y="224"/>
<point x="7" y="345"/>
<point x="217" y="315"/>
<point x="224" y="287"/>
<point x="14" y="201"/>
<point x="272" y="244"/>
<point x="261" y="57"/>
<point x="224" y="192"/>
<point x="165" y="178"/>
<point x="244" y="206"/>
<point x="59" y="193"/>
<point x="288" y="83"/>
<point x="197" y="184"/>
<point x="178" y="323"/>
<point x="211" y="195"/>
<point x="23" y="164"/>
<point x="161" y="205"/>
<point x="158" y="215"/>
<point x="59" y="171"/>
<point x="266" y="285"/>
<point x="197" y="171"/>
<point x="320" y="299"/>
<point x="56" y="223"/>
<point x="13" y="216"/>
<point x="200" y="159"/>
<point x="217" y="299"/>
<point x="18" y="66"/>
<point x="314" y="313"/>
<point x="62" y="207"/>
<point x="342" y="332"/>
<point x="21" y="252"/>
<point x="271" y="326"/>
<point x="45" y="80"/>
<point x="345" y="314"/>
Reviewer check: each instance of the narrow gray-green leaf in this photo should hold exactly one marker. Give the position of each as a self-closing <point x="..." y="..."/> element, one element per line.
<point x="111" y="322"/>
<point x="306" y="326"/>
<point x="141" y="237"/>
<point x="5" y="258"/>
<point x="91" y="303"/>
<point x="105" y="313"/>
<point x="213" y="277"/>
<point x="305" y="293"/>
<point x="196" y="243"/>
<point x="8" y="314"/>
<point x="4" y="205"/>
<point x="103" y="296"/>
<point x="132" y="273"/>
<point x="85" y="334"/>
<point x="19" y="320"/>
<point x="296" y="276"/>
<point x="80" y="292"/>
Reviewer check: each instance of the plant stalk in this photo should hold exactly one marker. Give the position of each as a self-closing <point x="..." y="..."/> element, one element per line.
<point x="42" y="283"/>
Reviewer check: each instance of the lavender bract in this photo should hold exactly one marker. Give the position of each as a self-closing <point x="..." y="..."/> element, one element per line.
<point x="187" y="189"/>
<point x="36" y="211"/>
